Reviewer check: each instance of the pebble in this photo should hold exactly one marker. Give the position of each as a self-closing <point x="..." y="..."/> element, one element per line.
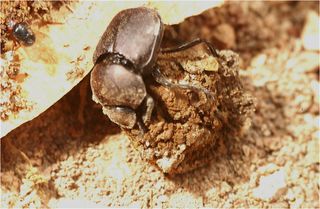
<point x="271" y="187"/>
<point x="259" y="60"/>
<point x="310" y="33"/>
<point x="304" y="62"/>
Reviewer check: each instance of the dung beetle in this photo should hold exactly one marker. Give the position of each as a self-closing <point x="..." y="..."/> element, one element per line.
<point x="22" y="33"/>
<point x="126" y="55"/>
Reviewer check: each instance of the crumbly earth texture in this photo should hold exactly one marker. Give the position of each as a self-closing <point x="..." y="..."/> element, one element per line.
<point x="188" y="121"/>
<point x="57" y="161"/>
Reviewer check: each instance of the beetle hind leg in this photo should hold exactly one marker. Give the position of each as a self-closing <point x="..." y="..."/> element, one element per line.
<point x="191" y="44"/>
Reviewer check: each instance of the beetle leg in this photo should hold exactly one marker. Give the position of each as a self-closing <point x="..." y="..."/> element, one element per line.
<point x="161" y="79"/>
<point x="148" y="105"/>
<point x="144" y="113"/>
<point x="191" y="44"/>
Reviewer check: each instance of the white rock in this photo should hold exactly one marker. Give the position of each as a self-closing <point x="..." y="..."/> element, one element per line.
<point x="271" y="187"/>
<point x="259" y="60"/>
<point x="305" y="62"/>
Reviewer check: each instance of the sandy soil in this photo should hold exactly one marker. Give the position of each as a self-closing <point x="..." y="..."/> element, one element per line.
<point x="72" y="155"/>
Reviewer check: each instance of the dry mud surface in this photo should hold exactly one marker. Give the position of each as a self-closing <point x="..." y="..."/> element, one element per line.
<point x="72" y="155"/>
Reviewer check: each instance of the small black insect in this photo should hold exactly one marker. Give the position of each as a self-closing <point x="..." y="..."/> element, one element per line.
<point x="125" y="55"/>
<point x="22" y="33"/>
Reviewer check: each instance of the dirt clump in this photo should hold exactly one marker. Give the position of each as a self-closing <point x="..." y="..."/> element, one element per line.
<point x="188" y="121"/>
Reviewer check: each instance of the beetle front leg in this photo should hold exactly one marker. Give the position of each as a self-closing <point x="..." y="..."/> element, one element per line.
<point x="145" y="113"/>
